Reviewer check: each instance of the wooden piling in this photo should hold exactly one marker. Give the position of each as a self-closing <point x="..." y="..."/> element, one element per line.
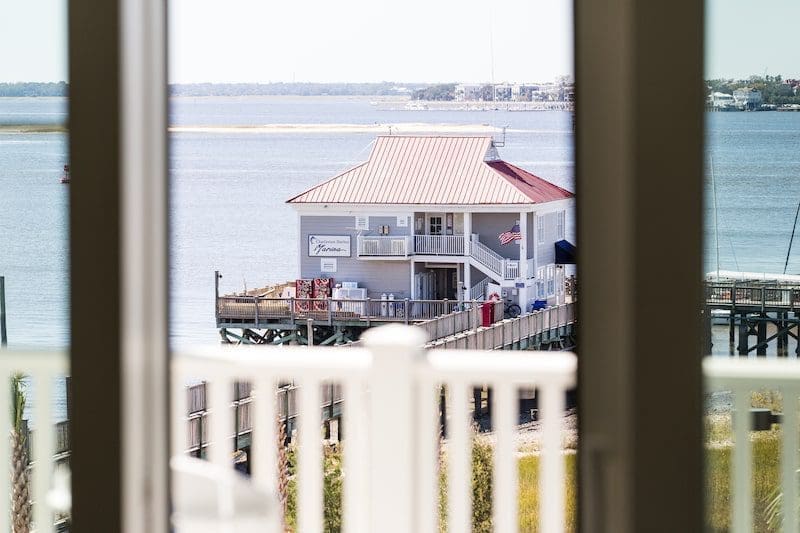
<point x="743" y="334"/>
<point x="761" y="328"/>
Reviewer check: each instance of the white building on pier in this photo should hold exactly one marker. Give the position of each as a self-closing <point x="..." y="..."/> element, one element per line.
<point x="435" y="217"/>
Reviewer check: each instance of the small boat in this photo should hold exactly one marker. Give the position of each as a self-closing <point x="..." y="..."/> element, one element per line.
<point x="65" y="176"/>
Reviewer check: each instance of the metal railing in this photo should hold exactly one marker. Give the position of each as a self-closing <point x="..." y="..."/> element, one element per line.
<point x="41" y="369"/>
<point x="439" y="244"/>
<point x="383" y="246"/>
<point x="746" y="294"/>
<point x="391" y="427"/>
<point x="259" y="310"/>
<point x="742" y="377"/>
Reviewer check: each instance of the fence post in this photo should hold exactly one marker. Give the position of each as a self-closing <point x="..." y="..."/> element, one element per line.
<point x="291" y="310"/>
<point x="310" y="331"/>
<point x="330" y="311"/>
<point x="405" y="310"/>
<point x="255" y="302"/>
<point x="396" y="351"/>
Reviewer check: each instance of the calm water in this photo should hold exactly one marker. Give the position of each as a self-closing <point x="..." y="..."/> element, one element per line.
<point x="228" y="193"/>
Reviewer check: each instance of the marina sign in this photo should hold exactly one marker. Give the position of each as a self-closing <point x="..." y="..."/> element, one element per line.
<point x="329" y="246"/>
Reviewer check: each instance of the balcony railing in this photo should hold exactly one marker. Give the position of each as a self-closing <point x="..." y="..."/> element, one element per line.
<point x="742" y="377"/>
<point x="41" y="369"/>
<point x="383" y="246"/>
<point x="439" y="244"/>
<point x="391" y="427"/>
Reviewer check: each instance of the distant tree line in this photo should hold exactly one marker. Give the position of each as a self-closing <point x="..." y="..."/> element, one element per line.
<point x="774" y="90"/>
<point x="236" y="89"/>
<point x="34" y="89"/>
<point x="437" y="93"/>
<point x="292" y="89"/>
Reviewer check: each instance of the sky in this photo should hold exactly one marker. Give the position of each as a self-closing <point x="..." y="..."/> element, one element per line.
<point x="364" y="40"/>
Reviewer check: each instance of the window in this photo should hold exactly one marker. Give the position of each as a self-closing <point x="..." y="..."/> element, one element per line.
<point x="540" y="229"/>
<point x="541" y="282"/>
<point x="362" y="222"/>
<point x="435" y="225"/>
<point x="561" y="222"/>
<point x="551" y="280"/>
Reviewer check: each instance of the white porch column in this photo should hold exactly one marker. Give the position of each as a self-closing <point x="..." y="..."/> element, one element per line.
<point x="523" y="245"/>
<point x="467" y="252"/>
<point x="523" y="260"/>
<point x="467" y="279"/>
<point x="467" y="232"/>
<point x="413" y="290"/>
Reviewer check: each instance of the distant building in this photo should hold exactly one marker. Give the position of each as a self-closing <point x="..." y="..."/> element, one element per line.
<point x="468" y="92"/>
<point x="747" y="98"/>
<point x="503" y="92"/>
<point x="721" y="101"/>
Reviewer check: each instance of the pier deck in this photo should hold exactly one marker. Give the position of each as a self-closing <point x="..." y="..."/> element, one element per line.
<point x="293" y="313"/>
<point x="766" y="311"/>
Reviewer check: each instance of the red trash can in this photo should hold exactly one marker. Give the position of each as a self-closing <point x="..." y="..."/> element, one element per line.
<point x="487" y="314"/>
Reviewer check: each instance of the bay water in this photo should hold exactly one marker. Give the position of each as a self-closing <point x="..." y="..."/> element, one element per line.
<point x="228" y="190"/>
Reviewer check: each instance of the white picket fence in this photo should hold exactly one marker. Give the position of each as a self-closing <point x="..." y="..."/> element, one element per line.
<point x="390" y="426"/>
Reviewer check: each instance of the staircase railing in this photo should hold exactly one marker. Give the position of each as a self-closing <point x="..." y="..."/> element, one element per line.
<point x="504" y="268"/>
<point x="478" y="291"/>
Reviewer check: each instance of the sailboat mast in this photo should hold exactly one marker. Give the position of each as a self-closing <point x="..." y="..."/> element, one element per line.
<point x="791" y="240"/>
<point x="716" y="211"/>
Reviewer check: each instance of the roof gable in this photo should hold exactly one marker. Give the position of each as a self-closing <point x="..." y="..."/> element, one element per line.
<point x="433" y="170"/>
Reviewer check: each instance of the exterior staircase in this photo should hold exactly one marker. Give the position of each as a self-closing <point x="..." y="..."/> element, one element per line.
<point x="478" y="291"/>
<point x="491" y="263"/>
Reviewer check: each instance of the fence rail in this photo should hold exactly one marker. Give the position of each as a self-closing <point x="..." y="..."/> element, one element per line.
<point x="258" y="310"/>
<point x="390" y="460"/>
<point x="742" y="377"/>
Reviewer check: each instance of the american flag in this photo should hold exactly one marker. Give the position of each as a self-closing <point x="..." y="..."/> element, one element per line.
<point x="508" y="236"/>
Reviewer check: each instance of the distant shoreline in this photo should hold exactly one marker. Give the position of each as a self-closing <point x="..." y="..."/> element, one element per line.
<point x="33" y="128"/>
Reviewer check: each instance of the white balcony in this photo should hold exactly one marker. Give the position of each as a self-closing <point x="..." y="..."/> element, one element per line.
<point x="384" y="246"/>
<point x="439" y="244"/>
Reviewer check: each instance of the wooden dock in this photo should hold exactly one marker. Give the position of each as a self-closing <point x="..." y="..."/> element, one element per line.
<point x="320" y="321"/>
<point x="759" y="313"/>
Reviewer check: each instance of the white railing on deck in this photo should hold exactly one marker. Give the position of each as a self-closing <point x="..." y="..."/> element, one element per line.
<point x="383" y="246"/>
<point x="391" y="427"/>
<point x="439" y="244"/>
<point x="478" y="291"/>
<point x="41" y="370"/>
<point x="742" y="377"/>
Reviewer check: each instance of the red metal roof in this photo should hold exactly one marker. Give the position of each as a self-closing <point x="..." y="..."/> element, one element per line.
<point x="433" y="170"/>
